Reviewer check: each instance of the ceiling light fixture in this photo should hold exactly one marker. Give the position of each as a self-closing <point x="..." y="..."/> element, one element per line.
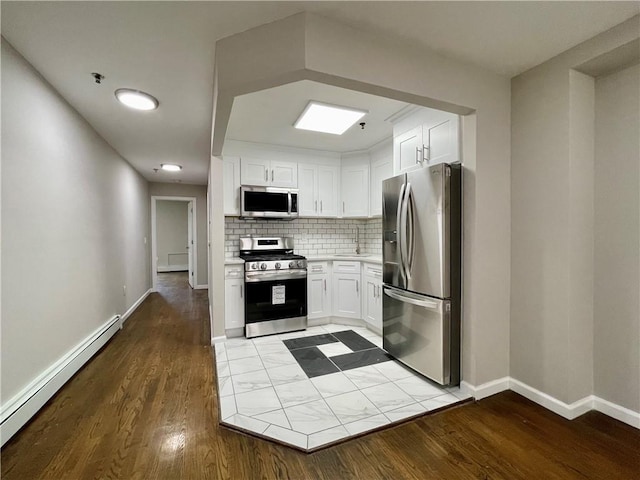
<point x="136" y="99"/>
<point x="171" y="167"/>
<point x="326" y="118"/>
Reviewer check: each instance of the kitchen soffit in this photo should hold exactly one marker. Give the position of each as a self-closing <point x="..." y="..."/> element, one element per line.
<point x="66" y="41"/>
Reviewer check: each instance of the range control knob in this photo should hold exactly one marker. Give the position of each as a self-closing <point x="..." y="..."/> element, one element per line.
<point x="278" y="265"/>
<point x="255" y="266"/>
<point x="263" y="266"/>
<point x="300" y="263"/>
<point x="292" y="264"/>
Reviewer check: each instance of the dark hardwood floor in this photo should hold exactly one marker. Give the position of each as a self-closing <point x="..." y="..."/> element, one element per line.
<point x="145" y="407"/>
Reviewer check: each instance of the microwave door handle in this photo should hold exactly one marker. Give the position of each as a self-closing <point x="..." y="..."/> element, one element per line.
<point x="289" y="202"/>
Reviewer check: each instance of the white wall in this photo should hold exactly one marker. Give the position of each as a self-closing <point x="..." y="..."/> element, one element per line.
<point x="172" y="235"/>
<point x="216" y="248"/>
<point x="200" y="193"/>
<point x="75" y="220"/>
<point x="617" y="239"/>
<point x="553" y="221"/>
<point x="310" y="47"/>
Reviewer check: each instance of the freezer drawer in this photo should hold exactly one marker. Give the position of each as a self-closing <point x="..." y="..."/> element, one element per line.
<point x="416" y="330"/>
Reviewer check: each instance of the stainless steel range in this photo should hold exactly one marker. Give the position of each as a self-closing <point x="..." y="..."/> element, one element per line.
<point x="275" y="286"/>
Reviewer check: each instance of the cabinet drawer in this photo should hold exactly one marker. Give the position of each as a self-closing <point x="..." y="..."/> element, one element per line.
<point x="346" y="267"/>
<point x="373" y="271"/>
<point x="234" y="271"/>
<point x="316" y="268"/>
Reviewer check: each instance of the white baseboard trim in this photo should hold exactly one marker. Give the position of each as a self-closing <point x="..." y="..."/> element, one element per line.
<point x="133" y="307"/>
<point x="219" y="339"/>
<point x="173" y="268"/>
<point x="486" y="389"/>
<point x="17" y="411"/>
<point x="201" y="287"/>
<point x="618" y="412"/>
<point x="566" y="410"/>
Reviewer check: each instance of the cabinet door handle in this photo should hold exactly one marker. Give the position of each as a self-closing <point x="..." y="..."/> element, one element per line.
<point x="266" y="175"/>
<point x="325" y="284"/>
<point x="320" y="206"/>
<point x="426" y="149"/>
<point x="272" y="175"/>
<point x="357" y="286"/>
<point x="240" y="291"/>
<point x="342" y="207"/>
<point x="418" y="155"/>
<point x="316" y="209"/>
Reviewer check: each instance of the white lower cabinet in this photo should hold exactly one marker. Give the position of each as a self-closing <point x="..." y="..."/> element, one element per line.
<point x="372" y="301"/>
<point x="318" y="290"/>
<point x="347" y="288"/>
<point x="234" y="297"/>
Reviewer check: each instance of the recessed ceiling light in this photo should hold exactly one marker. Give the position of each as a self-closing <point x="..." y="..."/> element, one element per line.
<point x="171" y="167"/>
<point x="322" y="117"/>
<point x="136" y="99"/>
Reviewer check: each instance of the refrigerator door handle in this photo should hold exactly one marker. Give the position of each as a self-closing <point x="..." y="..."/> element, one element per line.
<point x="404" y="241"/>
<point x="399" y="225"/>
<point x="409" y="218"/>
<point x="413" y="301"/>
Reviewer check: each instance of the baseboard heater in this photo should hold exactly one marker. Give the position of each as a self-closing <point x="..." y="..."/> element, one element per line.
<point x="19" y="410"/>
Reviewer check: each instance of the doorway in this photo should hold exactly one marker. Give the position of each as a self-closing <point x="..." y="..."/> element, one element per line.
<point x="174" y="245"/>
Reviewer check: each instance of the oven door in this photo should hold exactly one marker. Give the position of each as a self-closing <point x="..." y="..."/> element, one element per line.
<point x="275" y="296"/>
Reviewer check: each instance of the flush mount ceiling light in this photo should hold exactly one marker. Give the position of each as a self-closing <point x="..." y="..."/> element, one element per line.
<point x="322" y="117"/>
<point x="136" y="99"/>
<point x="171" y="167"/>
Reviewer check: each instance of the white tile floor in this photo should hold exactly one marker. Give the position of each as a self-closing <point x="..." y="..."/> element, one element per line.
<point x="264" y="390"/>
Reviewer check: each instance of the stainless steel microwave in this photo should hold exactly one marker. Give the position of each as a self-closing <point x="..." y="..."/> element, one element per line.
<point x="268" y="202"/>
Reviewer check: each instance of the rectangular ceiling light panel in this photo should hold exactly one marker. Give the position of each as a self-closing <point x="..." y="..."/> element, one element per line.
<point x="322" y="117"/>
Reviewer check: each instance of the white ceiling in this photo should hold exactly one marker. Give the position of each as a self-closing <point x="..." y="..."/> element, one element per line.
<point x="167" y="49"/>
<point x="268" y="116"/>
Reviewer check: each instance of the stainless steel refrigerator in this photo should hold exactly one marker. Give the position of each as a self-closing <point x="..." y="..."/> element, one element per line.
<point x="421" y="255"/>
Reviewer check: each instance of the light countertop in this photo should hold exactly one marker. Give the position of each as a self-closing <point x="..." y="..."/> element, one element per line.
<point x="233" y="261"/>
<point x="366" y="258"/>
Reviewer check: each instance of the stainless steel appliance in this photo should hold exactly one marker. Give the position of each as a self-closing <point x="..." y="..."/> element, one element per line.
<point x="275" y="286"/>
<point x="268" y="202"/>
<point x="421" y="256"/>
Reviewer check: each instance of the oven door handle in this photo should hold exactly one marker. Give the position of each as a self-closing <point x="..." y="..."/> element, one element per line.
<point x="251" y="277"/>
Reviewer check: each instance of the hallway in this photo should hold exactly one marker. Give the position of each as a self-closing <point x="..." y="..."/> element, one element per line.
<point x="145" y="408"/>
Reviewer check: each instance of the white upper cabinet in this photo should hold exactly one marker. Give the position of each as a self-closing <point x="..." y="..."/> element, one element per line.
<point x="231" y="186"/>
<point x="273" y="173"/>
<point x="441" y="137"/>
<point x="428" y="137"/>
<point x="355" y="190"/>
<point x="407" y="150"/>
<point x="381" y="169"/>
<point x="284" y="174"/>
<point x="255" y="171"/>
<point x="308" y="190"/>
<point x="318" y="185"/>
<point x="328" y="191"/>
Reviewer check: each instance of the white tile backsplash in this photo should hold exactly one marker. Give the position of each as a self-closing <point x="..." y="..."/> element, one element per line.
<point x="311" y="236"/>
